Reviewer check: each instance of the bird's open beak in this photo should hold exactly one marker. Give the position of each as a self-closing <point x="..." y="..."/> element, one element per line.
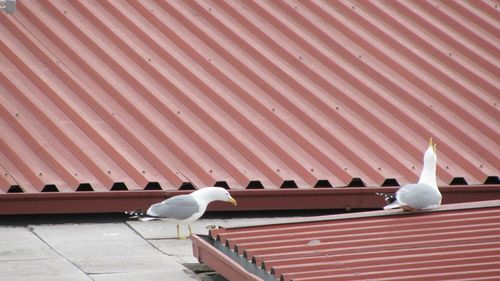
<point x="433" y="146"/>
<point x="232" y="201"/>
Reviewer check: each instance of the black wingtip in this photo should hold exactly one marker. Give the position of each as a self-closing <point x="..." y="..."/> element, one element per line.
<point x="136" y="214"/>
<point x="141" y="215"/>
<point x="389" y="198"/>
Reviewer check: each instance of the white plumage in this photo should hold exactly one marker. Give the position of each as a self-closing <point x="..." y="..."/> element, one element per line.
<point x="424" y="194"/>
<point x="185" y="209"/>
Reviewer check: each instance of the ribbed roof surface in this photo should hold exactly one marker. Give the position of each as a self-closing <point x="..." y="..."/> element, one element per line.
<point x="451" y="244"/>
<point x="97" y="95"/>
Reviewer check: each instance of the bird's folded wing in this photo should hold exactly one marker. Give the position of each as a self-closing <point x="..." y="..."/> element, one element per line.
<point x="178" y="207"/>
<point x="418" y="195"/>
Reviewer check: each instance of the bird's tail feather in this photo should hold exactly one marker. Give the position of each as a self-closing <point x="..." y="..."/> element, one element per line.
<point x="141" y="215"/>
<point x="393" y="205"/>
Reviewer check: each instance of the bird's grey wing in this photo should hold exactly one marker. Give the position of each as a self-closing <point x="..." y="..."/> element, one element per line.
<point x="178" y="207"/>
<point x="418" y="196"/>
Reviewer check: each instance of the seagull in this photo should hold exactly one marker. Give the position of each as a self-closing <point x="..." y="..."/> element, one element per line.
<point x="423" y="195"/>
<point x="184" y="209"/>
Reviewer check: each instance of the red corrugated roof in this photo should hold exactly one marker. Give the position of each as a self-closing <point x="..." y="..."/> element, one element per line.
<point x="457" y="242"/>
<point x="116" y="95"/>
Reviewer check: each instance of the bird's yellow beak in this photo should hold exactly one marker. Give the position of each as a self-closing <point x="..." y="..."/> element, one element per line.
<point x="433" y="146"/>
<point x="232" y="201"/>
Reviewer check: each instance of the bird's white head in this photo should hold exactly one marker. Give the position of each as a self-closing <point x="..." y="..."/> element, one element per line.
<point x="428" y="175"/>
<point x="430" y="155"/>
<point x="213" y="193"/>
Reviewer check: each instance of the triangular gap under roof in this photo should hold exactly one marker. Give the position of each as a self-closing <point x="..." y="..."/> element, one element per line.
<point x="119" y="186"/>
<point x="356" y="182"/>
<point x="323" y="184"/>
<point x="458" y="181"/>
<point x="255" y="185"/>
<point x="15" y="189"/>
<point x="84" y="187"/>
<point x="222" y="184"/>
<point x="390" y="182"/>
<point x="289" y="184"/>
<point x="187" y="186"/>
<point x="50" y="188"/>
<point x="153" y="185"/>
<point x="492" y="180"/>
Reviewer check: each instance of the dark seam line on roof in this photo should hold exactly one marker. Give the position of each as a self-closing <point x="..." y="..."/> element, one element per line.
<point x="51" y="166"/>
<point x="248" y="266"/>
<point x="46" y="48"/>
<point x="9" y="174"/>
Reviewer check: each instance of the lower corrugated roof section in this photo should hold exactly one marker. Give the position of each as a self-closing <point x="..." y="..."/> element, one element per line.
<point x="456" y="242"/>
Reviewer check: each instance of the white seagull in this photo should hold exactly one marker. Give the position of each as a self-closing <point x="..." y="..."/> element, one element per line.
<point x="185" y="209"/>
<point x="423" y="195"/>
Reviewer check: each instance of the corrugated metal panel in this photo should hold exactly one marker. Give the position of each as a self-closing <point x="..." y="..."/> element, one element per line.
<point x="100" y="95"/>
<point x="451" y="244"/>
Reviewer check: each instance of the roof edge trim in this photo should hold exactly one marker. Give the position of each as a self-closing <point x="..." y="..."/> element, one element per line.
<point x="382" y="213"/>
<point x="240" y="269"/>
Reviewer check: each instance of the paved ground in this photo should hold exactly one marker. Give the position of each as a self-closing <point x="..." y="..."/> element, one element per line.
<point x="103" y="248"/>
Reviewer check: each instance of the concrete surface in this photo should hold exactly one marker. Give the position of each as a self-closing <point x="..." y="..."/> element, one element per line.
<point x="104" y="249"/>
